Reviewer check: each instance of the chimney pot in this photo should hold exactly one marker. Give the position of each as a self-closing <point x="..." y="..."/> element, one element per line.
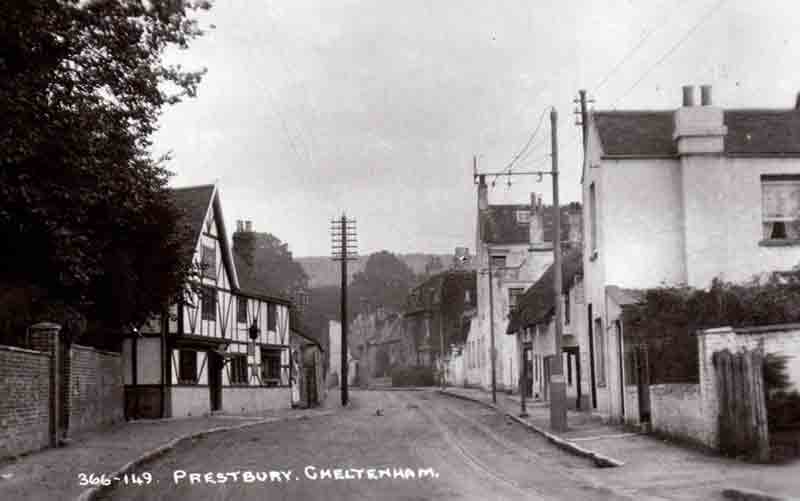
<point x="248" y="226"/>
<point x="797" y="102"/>
<point x="239" y="226"/>
<point x="705" y="95"/>
<point x="688" y="95"/>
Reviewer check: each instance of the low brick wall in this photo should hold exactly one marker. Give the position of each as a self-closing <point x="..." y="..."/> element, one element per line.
<point x="676" y="411"/>
<point x="96" y="392"/>
<point x="24" y="400"/>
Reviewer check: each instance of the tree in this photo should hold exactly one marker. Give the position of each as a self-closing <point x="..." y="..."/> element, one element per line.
<point x="271" y="262"/>
<point x="385" y="282"/>
<point x="85" y="220"/>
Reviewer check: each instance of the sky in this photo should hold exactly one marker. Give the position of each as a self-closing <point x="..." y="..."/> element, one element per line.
<point x="312" y="108"/>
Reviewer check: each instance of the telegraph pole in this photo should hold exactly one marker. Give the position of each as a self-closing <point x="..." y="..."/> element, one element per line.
<point x="343" y="242"/>
<point x="558" y="390"/>
<point x="558" y="387"/>
<point x="491" y="332"/>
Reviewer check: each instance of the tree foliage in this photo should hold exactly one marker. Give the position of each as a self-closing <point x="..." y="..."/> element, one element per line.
<point x="85" y="220"/>
<point x="384" y="282"/>
<point x="668" y="317"/>
<point x="271" y="262"/>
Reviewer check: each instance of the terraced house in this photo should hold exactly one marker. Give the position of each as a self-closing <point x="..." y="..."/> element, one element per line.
<point x="677" y="197"/>
<point x="225" y="348"/>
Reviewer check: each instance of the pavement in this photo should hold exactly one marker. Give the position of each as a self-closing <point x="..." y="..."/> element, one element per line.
<point x="647" y="464"/>
<point x="63" y="473"/>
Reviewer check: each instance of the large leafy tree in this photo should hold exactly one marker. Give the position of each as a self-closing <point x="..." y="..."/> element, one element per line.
<point x="385" y="282"/>
<point x="85" y="219"/>
<point x="271" y="262"/>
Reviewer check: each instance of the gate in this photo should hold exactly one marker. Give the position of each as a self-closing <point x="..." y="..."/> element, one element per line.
<point x="742" y="425"/>
<point x="641" y="367"/>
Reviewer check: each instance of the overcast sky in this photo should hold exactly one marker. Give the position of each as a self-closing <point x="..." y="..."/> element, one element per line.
<point x="314" y="107"/>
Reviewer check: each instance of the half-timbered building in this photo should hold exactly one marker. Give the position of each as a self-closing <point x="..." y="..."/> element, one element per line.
<point x="225" y="348"/>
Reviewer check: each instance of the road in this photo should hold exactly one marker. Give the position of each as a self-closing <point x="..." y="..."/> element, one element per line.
<point x="454" y="449"/>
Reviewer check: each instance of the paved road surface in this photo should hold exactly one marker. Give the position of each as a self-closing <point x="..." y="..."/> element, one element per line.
<point x="464" y="450"/>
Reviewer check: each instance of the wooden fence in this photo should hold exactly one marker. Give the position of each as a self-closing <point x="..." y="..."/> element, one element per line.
<point x="742" y="411"/>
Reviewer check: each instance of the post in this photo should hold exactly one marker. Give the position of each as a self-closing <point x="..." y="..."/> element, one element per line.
<point x="441" y="345"/>
<point x="343" y="249"/>
<point x="558" y="389"/>
<point x="523" y="375"/>
<point x="345" y="368"/>
<point x="491" y="331"/>
<point x="584" y="121"/>
<point x="45" y="337"/>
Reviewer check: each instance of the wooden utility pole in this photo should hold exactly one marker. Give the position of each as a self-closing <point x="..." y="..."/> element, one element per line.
<point x="343" y="239"/>
<point x="491" y="331"/>
<point x="558" y="387"/>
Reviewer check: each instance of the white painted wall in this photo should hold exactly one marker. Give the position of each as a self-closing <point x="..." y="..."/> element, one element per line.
<point x="148" y="361"/>
<point x="242" y="400"/>
<point x="190" y="401"/>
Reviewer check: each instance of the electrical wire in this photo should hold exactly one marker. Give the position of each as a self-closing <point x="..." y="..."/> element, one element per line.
<point x="672" y="49"/>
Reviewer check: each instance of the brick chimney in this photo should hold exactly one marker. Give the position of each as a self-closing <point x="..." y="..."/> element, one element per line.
<point x="699" y="130"/>
<point x="536" y="226"/>
<point x="244" y="241"/>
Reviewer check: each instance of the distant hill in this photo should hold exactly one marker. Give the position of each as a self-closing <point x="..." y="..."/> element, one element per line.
<point x="323" y="271"/>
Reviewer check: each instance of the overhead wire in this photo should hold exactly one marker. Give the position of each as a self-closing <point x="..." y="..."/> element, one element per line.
<point x="707" y="15"/>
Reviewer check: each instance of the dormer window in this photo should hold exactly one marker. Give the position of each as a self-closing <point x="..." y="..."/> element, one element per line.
<point x="780" y="210"/>
<point x="523" y="216"/>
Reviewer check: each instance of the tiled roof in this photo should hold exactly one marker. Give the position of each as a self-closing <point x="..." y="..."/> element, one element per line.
<point x="537" y="304"/>
<point x="649" y="133"/>
<point x="193" y="201"/>
<point x="500" y="224"/>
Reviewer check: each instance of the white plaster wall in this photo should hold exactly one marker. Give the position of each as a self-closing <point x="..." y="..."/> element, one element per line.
<point x="148" y="361"/>
<point x="675" y="410"/>
<point x="127" y="361"/>
<point x="738" y="227"/>
<point x="190" y="401"/>
<point x="243" y="400"/>
<point x="642" y="223"/>
<point x="335" y="348"/>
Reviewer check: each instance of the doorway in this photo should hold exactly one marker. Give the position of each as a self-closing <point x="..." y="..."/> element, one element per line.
<point x="528" y="369"/>
<point x="215" y="364"/>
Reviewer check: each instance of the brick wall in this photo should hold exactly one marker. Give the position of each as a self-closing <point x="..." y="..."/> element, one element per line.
<point x="96" y="394"/>
<point x="781" y="339"/>
<point x="24" y="400"/>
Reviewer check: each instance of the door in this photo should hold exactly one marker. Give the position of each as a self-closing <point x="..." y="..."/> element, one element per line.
<point x="574" y="376"/>
<point x="642" y="381"/>
<point x="215" y="364"/>
<point x="311" y="385"/>
<point x="546" y="370"/>
<point x="528" y="368"/>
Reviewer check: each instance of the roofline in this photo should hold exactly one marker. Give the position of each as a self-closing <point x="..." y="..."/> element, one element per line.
<point x="307" y="337"/>
<point x="724" y="154"/>
<point x="191" y="187"/>
<point x="255" y="295"/>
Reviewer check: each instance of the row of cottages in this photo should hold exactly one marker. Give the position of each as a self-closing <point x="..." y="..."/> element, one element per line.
<point x="434" y="314"/>
<point x="514" y="248"/>
<point x="225" y="348"/>
<point x="673" y="197"/>
<point x="533" y="326"/>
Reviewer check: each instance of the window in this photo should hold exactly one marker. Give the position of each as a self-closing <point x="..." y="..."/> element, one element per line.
<point x="241" y="309"/>
<point x="498" y="262"/>
<point x="187" y="367"/>
<point x="514" y="294"/>
<point x="593" y="216"/>
<point x="271" y="366"/>
<point x="272" y="317"/>
<point x="208" y="257"/>
<point x="238" y="370"/>
<point x="209" y="298"/>
<point x="600" y="351"/>
<point x="780" y="207"/>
